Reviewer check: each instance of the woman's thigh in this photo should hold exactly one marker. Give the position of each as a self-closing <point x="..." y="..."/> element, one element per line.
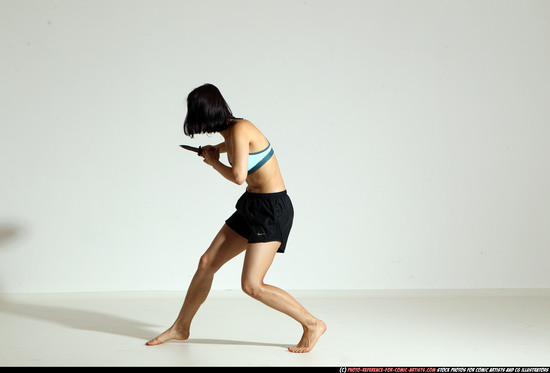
<point x="257" y="260"/>
<point x="226" y="245"/>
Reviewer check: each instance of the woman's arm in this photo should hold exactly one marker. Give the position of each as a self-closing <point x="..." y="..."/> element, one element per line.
<point x="228" y="173"/>
<point x="221" y="147"/>
<point x="212" y="157"/>
<point x="238" y="172"/>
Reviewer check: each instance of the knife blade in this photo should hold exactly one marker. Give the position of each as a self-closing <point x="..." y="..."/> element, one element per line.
<point x="193" y="149"/>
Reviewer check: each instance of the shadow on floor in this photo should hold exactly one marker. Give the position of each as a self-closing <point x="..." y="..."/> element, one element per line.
<point x="105" y="323"/>
<point x="79" y="319"/>
<point x="232" y="342"/>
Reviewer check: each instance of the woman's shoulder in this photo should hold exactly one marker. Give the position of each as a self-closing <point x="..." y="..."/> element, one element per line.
<point x="241" y="122"/>
<point x="244" y="126"/>
<point x="245" y="129"/>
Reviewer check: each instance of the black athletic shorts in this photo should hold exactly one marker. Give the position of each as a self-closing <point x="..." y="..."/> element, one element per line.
<point x="263" y="217"/>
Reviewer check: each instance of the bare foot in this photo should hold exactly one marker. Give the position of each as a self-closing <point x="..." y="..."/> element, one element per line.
<point x="310" y="337"/>
<point x="168" y="335"/>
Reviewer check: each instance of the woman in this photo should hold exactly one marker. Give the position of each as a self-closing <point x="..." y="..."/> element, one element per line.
<point x="260" y="226"/>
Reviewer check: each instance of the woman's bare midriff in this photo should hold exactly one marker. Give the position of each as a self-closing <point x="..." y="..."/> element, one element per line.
<point x="267" y="179"/>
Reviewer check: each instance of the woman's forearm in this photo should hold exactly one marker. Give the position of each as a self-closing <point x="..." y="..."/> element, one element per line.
<point x="221" y="147"/>
<point x="229" y="173"/>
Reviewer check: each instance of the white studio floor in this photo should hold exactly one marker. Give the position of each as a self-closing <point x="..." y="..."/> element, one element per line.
<point x="365" y="328"/>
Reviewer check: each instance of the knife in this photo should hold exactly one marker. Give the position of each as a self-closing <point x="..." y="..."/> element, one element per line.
<point x="193" y="149"/>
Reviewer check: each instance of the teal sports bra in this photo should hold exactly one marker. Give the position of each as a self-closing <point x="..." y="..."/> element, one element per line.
<point x="258" y="159"/>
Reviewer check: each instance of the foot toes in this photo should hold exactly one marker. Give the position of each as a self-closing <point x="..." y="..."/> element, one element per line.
<point x="153" y="342"/>
<point x="299" y="350"/>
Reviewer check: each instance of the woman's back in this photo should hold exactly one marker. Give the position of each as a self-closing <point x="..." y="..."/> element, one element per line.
<point x="242" y="140"/>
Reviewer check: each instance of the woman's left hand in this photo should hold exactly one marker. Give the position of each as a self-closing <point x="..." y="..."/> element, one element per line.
<point x="211" y="155"/>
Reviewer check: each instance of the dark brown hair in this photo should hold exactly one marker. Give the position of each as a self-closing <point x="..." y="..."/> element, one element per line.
<point x="207" y="111"/>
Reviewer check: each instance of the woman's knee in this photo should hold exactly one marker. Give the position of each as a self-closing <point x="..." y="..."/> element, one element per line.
<point x="252" y="288"/>
<point x="206" y="265"/>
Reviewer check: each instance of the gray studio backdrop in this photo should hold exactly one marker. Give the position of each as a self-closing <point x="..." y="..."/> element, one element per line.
<point x="412" y="136"/>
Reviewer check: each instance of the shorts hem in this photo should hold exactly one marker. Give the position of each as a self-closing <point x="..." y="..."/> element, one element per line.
<point x="263" y="217"/>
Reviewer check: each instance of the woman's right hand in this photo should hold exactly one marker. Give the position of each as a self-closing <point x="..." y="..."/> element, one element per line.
<point x="207" y="148"/>
<point x="211" y="155"/>
<point x="220" y="148"/>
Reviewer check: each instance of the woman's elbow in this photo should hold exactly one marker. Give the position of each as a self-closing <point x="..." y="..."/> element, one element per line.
<point x="240" y="180"/>
<point x="240" y="177"/>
